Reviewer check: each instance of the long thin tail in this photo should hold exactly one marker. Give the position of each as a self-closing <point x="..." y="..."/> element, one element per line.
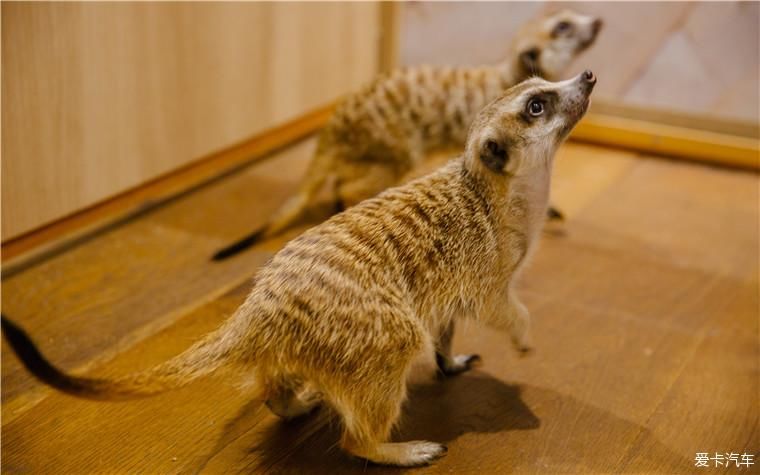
<point x="239" y="246"/>
<point x="201" y="359"/>
<point x="288" y="213"/>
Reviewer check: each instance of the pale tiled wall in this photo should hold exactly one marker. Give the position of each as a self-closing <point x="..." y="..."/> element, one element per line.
<point x="695" y="57"/>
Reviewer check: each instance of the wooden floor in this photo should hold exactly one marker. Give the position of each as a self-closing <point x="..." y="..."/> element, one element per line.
<point x="645" y="309"/>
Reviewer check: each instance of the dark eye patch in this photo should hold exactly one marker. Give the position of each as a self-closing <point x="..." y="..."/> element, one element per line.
<point x="530" y="63"/>
<point x="547" y="98"/>
<point x="562" y="28"/>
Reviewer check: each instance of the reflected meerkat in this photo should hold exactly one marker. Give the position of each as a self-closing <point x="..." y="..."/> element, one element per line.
<point x="340" y="313"/>
<point x="375" y="137"/>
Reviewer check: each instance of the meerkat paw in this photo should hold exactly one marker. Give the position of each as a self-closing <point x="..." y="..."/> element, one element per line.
<point x="457" y="364"/>
<point x="523" y="343"/>
<point x="404" y="454"/>
<point x="519" y="330"/>
<point x="524" y="351"/>
<point x="423" y="452"/>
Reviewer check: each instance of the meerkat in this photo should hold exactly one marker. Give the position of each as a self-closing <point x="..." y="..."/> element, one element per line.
<point x="339" y="315"/>
<point x="375" y="137"/>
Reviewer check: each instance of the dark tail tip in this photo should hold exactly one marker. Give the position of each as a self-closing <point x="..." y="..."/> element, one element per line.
<point x="27" y="352"/>
<point x="238" y="246"/>
<point x="554" y="214"/>
<point x="15" y="336"/>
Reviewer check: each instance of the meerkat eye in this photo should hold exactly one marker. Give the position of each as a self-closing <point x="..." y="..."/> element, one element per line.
<point x="535" y="107"/>
<point x="562" y="28"/>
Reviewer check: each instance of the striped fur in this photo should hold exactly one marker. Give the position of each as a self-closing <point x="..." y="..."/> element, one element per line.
<point x="378" y="135"/>
<point x="341" y="312"/>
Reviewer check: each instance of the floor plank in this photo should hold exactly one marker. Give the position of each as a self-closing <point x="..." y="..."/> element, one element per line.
<point x="645" y="306"/>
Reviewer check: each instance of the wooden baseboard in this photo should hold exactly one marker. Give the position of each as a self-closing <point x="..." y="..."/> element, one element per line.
<point x="687" y="120"/>
<point x="72" y="227"/>
<point x="675" y="134"/>
<point x="669" y="140"/>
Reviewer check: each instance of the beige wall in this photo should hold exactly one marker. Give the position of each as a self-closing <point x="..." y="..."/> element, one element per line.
<point x="98" y="98"/>
<point x="697" y="57"/>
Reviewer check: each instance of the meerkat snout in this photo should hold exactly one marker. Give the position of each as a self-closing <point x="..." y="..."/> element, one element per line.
<point x="596" y="27"/>
<point x="527" y="124"/>
<point x="549" y="48"/>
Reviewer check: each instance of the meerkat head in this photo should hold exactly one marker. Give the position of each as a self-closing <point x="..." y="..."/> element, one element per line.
<point x="524" y="127"/>
<point x="546" y="47"/>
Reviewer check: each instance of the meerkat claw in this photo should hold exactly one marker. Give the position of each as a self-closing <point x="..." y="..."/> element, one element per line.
<point x="525" y="351"/>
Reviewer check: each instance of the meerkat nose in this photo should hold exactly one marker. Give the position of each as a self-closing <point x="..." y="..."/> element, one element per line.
<point x="596" y="25"/>
<point x="589" y="77"/>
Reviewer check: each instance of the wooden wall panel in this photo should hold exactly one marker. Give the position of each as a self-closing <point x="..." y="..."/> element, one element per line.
<point x="101" y="97"/>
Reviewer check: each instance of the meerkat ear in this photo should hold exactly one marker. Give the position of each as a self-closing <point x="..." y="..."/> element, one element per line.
<point x="529" y="61"/>
<point x="494" y="156"/>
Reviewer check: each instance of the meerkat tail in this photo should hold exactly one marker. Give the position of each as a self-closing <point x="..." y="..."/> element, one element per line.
<point x="203" y="358"/>
<point x="287" y="214"/>
<point x="238" y="246"/>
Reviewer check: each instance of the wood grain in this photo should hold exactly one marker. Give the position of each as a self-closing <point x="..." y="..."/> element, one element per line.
<point x="645" y="311"/>
<point x="101" y="97"/>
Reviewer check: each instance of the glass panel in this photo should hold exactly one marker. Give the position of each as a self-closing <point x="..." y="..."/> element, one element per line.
<point x="680" y="57"/>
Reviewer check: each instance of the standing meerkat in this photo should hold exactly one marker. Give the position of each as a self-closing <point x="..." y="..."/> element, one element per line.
<point x="375" y="137"/>
<point x="340" y="313"/>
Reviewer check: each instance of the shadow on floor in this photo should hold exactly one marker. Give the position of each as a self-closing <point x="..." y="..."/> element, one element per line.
<point x="440" y="411"/>
<point x="565" y="438"/>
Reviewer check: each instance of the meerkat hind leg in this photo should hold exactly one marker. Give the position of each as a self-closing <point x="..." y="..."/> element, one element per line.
<point x="290" y="403"/>
<point x="370" y="403"/>
<point x="403" y="454"/>
<point x="366" y="181"/>
<point x="369" y="413"/>
<point x="353" y="192"/>
<point x="448" y="364"/>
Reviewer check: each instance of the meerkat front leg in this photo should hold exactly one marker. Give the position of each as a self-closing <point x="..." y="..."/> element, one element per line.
<point x="518" y="323"/>
<point x="514" y="319"/>
<point x="448" y="364"/>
